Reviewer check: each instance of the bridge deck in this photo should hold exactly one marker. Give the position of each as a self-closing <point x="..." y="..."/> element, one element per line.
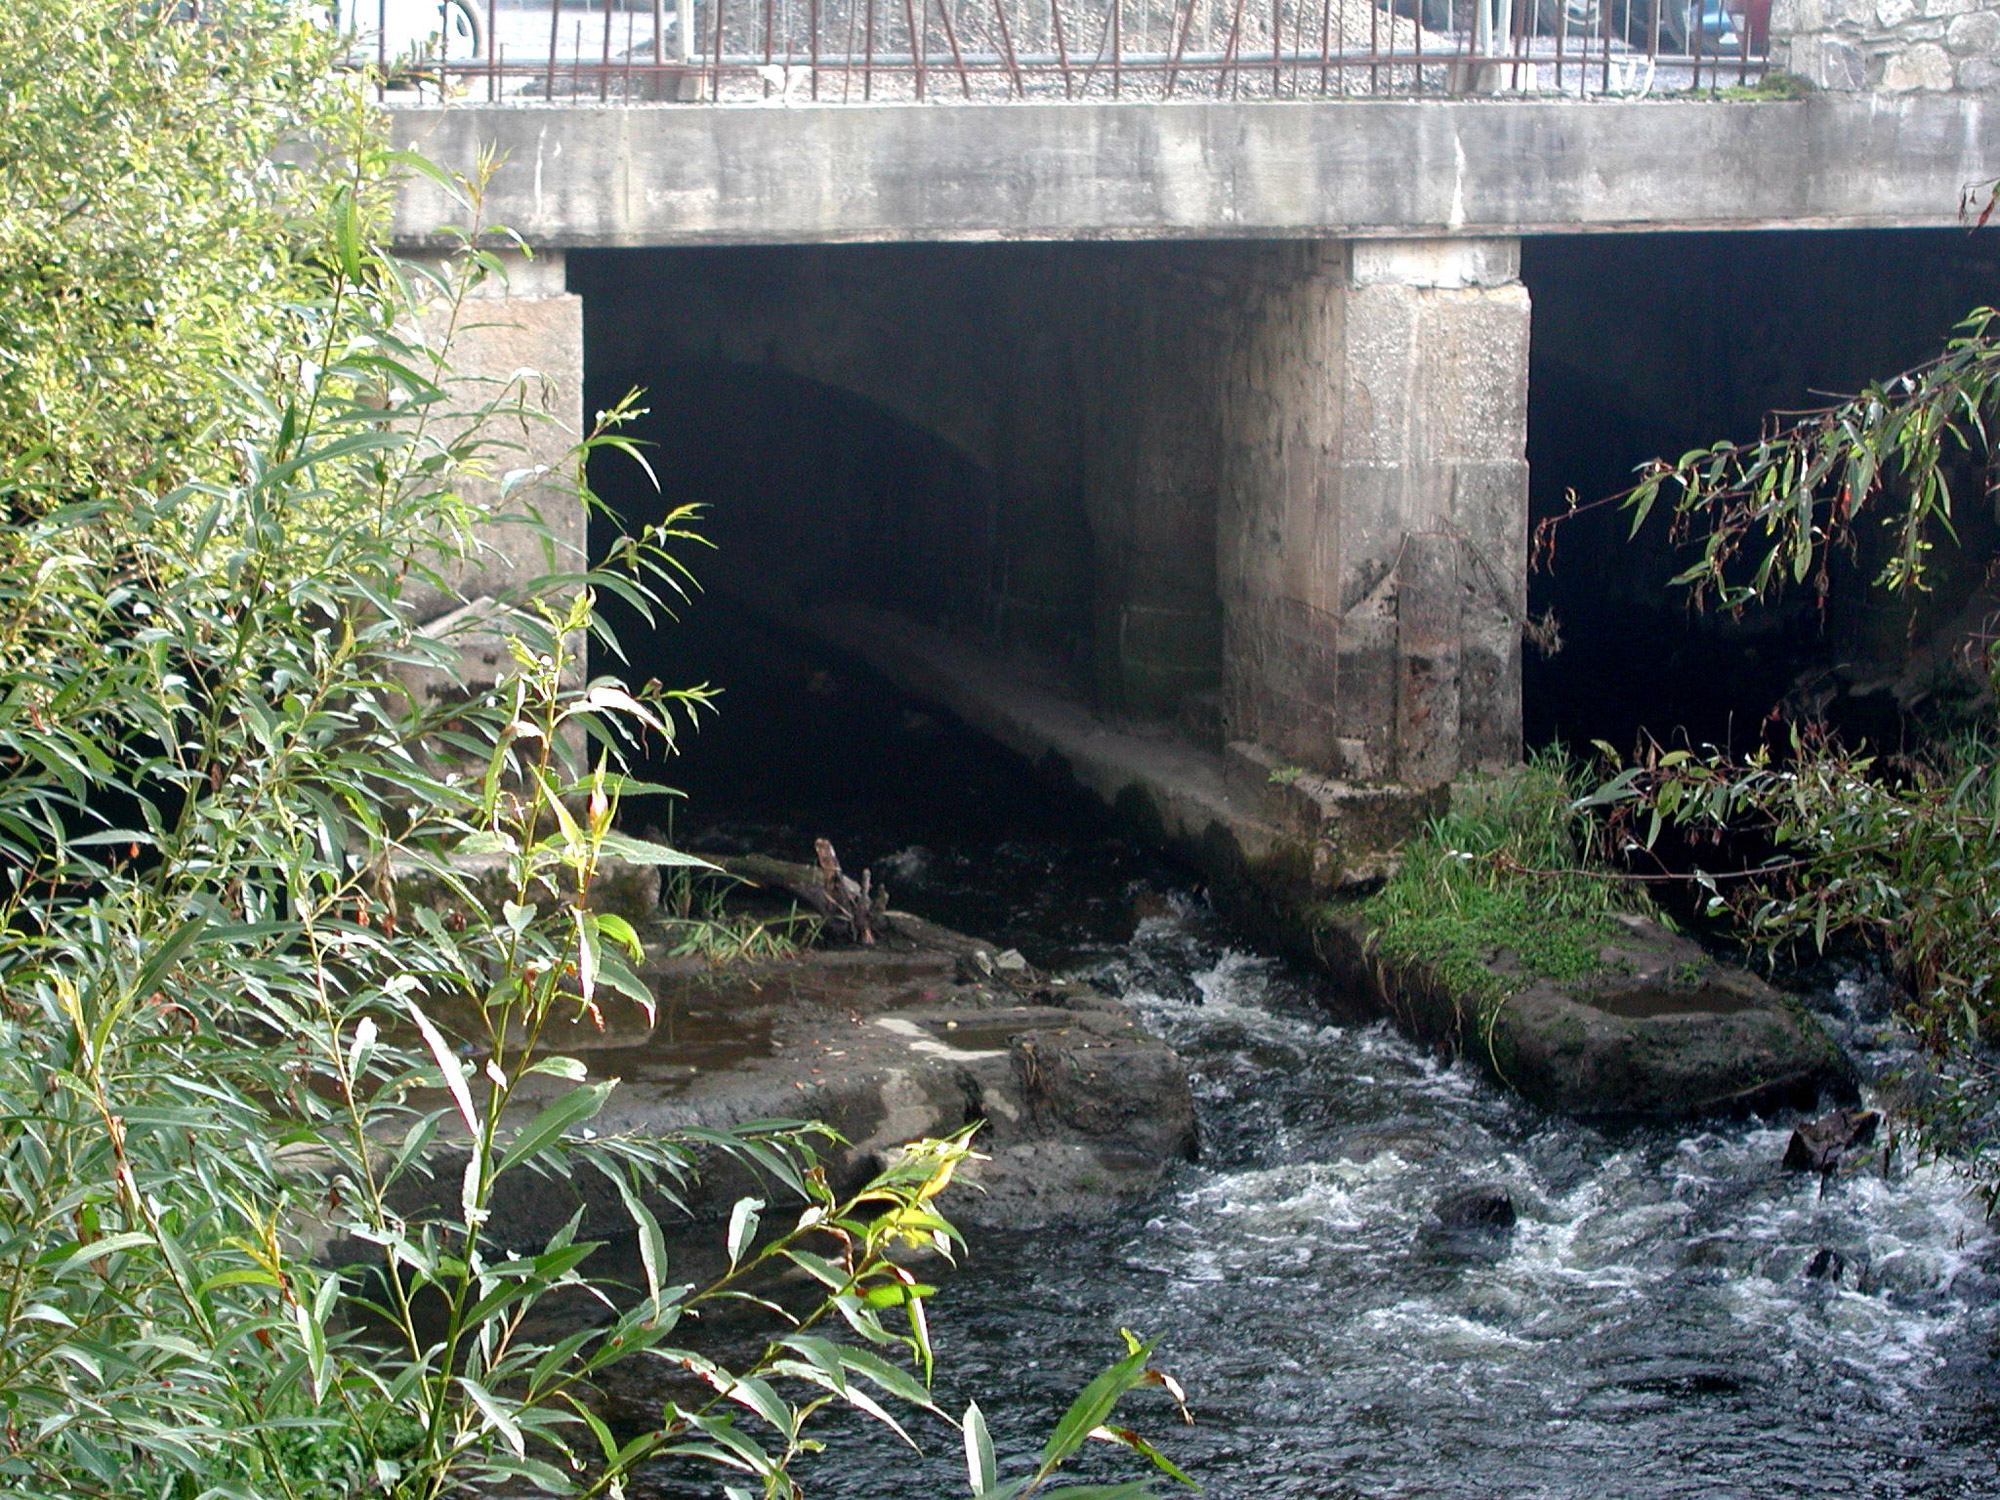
<point x="634" y="175"/>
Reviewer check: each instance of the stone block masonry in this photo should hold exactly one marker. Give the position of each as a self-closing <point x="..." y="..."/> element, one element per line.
<point x="1374" y="518"/>
<point x="1890" y="46"/>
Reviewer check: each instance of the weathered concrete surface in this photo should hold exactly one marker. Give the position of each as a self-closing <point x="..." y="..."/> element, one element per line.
<point x="516" y="354"/>
<point x="577" y="175"/>
<point x="1663" y="1033"/>
<point x="1373" y="538"/>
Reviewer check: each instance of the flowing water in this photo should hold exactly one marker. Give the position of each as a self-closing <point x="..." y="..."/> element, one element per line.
<point x="1672" y="1315"/>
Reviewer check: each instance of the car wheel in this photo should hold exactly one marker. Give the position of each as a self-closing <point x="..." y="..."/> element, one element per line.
<point x="462" y="32"/>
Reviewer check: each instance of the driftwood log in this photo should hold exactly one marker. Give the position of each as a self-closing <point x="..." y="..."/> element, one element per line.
<point x="856" y="909"/>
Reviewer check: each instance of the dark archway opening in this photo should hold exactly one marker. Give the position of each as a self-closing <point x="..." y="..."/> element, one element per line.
<point x="813" y="497"/>
<point x="1648" y="345"/>
<point x="808" y="495"/>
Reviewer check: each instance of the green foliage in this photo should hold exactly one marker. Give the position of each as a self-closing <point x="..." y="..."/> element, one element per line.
<point x="1775" y="84"/>
<point x="230" y="456"/>
<point x="1514" y="867"/>
<point x="1902" y="854"/>
<point x="153" y="179"/>
<point x="1772" y="514"/>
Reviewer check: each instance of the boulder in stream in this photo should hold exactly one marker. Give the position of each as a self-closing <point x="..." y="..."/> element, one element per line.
<point x="1822" y="1145"/>
<point x="1663" y="1032"/>
<point x="920" y="1034"/>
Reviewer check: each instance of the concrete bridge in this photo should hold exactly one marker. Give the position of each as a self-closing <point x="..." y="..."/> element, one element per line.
<point x="1227" y="402"/>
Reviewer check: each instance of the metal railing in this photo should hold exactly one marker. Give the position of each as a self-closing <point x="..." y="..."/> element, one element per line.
<point x="938" y="51"/>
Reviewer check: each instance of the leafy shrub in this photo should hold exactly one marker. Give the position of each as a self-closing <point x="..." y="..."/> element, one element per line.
<point x="230" y="454"/>
<point x="1902" y="854"/>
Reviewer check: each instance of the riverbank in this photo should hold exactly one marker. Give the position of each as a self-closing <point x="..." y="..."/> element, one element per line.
<point x="1656" y="1029"/>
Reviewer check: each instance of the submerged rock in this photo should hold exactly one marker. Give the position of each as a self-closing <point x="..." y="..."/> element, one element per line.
<point x="1473" y="1224"/>
<point x="1487" y="1209"/>
<point x="1822" y="1145"/>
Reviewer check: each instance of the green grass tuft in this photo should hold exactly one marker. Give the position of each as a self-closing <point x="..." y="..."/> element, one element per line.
<point x="1506" y="872"/>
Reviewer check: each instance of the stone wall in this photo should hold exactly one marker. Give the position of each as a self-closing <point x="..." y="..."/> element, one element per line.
<point x="1890" y="46"/>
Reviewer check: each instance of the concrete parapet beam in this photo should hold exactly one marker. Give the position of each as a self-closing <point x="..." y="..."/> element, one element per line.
<point x="636" y="175"/>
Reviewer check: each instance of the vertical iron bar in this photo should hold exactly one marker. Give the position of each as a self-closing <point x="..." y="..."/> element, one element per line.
<point x="604" y="64"/>
<point x="492" y="50"/>
<point x="868" y="54"/>
<point x="916" y="43"/>
<point x="1375" y="44"/>
<point x="1417" y="31"/>
<point x="1562" y="30"/>
<point x="812" y="28"/>
<point x="1117" y="48"/>
<point x="1604" y="31"/>
<point x="1277" y="49"/>
<point x="1326" y="38"/>
<point x="720" y="8"/>
<point x="1184" y="30"/>
<point x="770" y="38"/>
<point x="847" y="52"/>
<point x="555" y="35"/>
<point x="1062" y="47"/>
<point x="1007" y="47"/>
<point x="1226" y="74"/>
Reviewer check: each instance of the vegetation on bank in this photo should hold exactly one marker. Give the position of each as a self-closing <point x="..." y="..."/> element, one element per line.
<point x="1899" y="853"/>
<point x="234" y="459"/>
<point x="1507" y="887"/>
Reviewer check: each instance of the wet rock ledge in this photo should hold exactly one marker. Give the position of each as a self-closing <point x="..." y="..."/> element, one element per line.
<point x="920" y="1034"/>
<point x="1664" y="1032"/>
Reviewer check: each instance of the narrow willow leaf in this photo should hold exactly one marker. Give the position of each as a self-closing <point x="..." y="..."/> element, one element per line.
<point x="571" y="1110"/>
<point x="979" y="1465"/>
<point x="743" y="1225"/>
<point x="453" y="1076"/>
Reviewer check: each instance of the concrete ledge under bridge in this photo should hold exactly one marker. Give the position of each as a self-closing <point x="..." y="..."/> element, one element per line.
<point x="659" y="175"/>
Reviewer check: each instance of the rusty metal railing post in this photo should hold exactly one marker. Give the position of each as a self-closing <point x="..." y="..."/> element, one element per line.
<point x="1117" y="48"/>
<point x="1007" y="47"/>
<point x="604" y="63"/>
<point x="916" y="43"/>
<point x="868" y="52"/>
<point x="555" y="37"/>
<point x="1062" y="48"/>
<point x="951" y="40"/>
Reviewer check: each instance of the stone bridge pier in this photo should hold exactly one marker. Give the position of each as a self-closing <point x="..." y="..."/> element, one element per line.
<point x="1271" y="494"/>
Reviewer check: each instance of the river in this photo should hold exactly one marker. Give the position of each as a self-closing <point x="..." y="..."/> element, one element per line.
<point x="1671" y="1315"/>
